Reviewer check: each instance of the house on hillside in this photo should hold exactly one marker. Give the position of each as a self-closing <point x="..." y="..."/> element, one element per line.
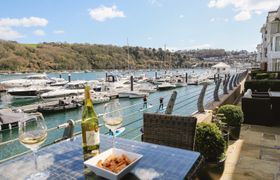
<point x="269" y="49"/>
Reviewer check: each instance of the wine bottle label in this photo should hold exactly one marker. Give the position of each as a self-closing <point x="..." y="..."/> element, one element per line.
<point x="92" y="138"/>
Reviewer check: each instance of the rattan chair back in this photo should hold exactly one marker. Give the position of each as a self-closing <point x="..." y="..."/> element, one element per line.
<point x="169" y="130"/>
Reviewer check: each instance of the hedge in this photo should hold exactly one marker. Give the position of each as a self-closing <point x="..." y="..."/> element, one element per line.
<point x="262" y="85"/>
<point x="233" y="114"/>
<point x="261" y="75"/>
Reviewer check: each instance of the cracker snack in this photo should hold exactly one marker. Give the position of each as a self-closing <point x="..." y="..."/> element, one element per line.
<point x="114" y="163"/>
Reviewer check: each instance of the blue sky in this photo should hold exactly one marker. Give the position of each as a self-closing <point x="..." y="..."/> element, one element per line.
<point x="180" y="24"/>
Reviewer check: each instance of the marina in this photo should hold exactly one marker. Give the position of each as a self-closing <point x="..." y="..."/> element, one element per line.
<point x="132" y="100"/>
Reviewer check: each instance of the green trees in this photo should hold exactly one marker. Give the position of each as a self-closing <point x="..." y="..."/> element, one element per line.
<point x="65" y="56"/>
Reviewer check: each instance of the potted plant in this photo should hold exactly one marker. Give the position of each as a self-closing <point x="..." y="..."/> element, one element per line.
<point x="211" y="144"/>
<point x="218" y="120"/>
<point x="233" y="118"/>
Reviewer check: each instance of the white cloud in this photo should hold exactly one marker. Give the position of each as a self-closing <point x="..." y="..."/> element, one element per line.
<point x="58" y="32"/>
<point x="7" y="33"/>
<point x="7" y="26"/>
<point x="243" y="16"/>
<point x="149" y="38"/>
<point x="39" y="32"/>
<point x="23" y="22"/>
<point x="181" y="16"/>
<point x="103" y="13"/>
<point x="245" y="8"/>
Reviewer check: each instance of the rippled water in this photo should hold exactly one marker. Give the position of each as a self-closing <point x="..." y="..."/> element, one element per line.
<point x="186" y="104"/>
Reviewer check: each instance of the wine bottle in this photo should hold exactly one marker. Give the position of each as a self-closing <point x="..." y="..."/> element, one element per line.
<point x="90" y="128"/>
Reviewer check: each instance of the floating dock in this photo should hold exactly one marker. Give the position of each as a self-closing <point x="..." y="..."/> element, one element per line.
<point x="34" y="107"/>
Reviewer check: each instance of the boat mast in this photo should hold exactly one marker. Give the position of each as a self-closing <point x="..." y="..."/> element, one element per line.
<point x="127" y="53"/>
<point x="164" y="55"/>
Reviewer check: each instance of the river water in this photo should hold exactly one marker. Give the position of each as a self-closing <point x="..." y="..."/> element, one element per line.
<point x="186" y="104"/>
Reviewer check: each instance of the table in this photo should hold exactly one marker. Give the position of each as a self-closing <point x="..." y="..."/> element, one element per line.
<point x="64" y="160"/>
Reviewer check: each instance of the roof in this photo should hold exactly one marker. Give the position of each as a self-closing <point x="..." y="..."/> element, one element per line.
<point x="221" y="65"/>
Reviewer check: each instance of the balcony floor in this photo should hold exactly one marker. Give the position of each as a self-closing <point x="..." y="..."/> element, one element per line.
<point x="256" y="155"/>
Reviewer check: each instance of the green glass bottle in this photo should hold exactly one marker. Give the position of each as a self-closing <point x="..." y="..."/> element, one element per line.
<point x="90" y="128"/>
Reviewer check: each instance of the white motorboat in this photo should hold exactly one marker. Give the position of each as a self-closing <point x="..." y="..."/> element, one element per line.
<point x="179" y="81"/>
<point x="166" y="86"/>
<point x="74" y="88"/>
<point x="97" y="98"/>
<point x="38" y="79"/>
<point x="32" y="80"/>
<point x="100" y="100"/>
<point x="58" y="82"/>
<point x="29" y="92"/>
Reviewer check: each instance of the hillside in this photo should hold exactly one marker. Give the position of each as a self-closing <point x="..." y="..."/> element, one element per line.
<point x="64" y="56"/>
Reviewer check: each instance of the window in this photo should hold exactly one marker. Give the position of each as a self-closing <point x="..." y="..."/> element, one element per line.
<point x="276" y="65"/>
<point x="275" y="27"/>
<point x="277" y="43"/>
<point x="265" y="52"/>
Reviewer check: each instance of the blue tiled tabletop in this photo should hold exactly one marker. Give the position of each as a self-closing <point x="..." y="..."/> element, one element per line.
<point x="64" y="160"/>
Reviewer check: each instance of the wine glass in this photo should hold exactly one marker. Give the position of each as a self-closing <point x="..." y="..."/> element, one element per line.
<point x="113" y="117"/>
<point x="32" y="134"/>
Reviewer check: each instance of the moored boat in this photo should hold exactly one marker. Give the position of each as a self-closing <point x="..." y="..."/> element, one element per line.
<point x="74" y="88"/>
<point x="166" y="86"/>
<point x="29" y="92"/>
<point x="62" y="105"/>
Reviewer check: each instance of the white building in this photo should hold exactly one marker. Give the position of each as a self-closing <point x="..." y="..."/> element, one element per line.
<point x="221" y="68"/>
<point x="269" y="49"/>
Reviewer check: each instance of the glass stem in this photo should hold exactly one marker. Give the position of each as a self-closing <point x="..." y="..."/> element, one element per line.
<point x="113" y="139"/>
<point x="35" y="160"/>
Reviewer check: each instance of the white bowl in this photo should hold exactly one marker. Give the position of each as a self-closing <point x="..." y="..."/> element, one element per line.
<point x="92" y="163"/>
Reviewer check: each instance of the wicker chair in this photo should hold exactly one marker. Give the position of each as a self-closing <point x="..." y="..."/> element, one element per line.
<point x="257" y="111"/>
<point x="169" y="130"/>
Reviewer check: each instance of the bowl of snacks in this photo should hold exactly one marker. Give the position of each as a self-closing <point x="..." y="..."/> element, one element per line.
<point x="113" y="163"/>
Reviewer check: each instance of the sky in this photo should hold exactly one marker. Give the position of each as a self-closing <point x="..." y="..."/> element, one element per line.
<point x="178" y="24"/>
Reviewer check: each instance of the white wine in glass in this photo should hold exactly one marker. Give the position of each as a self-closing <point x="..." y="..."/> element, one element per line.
<point x="113" y="123"/>
<point x="33" y="139"/>
<point x="32" y="134"/>
<point x="113" y="117"/>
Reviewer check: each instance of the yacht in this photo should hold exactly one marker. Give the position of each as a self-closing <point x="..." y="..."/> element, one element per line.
<point x="179" y="81"/>
<point x="29" y="92"/>
<point x="32" y="80"/>
<point x="166" y="86"/>
<point x="73" y="88"/>
<point x="58" y="82"/>
<point x="96" y="97"/>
